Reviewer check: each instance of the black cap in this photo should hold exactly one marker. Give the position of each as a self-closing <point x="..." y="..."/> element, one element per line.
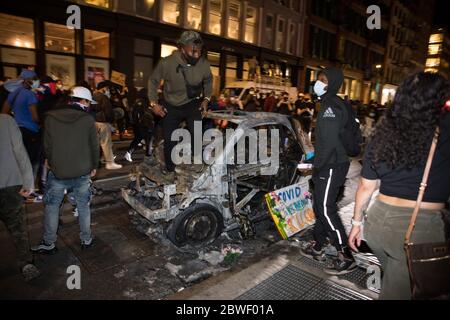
<point x="103" y="84"/>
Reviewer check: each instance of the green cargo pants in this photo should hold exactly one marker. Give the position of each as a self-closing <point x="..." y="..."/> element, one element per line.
<point x="385" y="231"/>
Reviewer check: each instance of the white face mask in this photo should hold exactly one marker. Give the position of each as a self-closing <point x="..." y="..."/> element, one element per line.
<point x="319" y="88"/>
<point x="35" y="84"/>
<point x="108" y="93"/>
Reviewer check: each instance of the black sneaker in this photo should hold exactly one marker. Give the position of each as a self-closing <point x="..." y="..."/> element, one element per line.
<point x="341" y="265"/>
<point x="307" y="250"/>
<point x="44" y="248"/>
<point x="87" y="244"/>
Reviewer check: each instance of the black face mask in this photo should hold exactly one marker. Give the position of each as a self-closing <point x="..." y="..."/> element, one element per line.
<point x="191" y="60"/>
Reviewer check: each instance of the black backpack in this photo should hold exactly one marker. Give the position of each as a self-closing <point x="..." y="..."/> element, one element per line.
<point x="351" y="135"/>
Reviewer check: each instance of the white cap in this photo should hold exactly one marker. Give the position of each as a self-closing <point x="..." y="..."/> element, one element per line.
<point x="82" y="93"/>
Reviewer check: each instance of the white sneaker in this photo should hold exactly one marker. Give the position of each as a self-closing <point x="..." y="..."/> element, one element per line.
<point x="113" y="166"/>
<point x="128" y="157"/>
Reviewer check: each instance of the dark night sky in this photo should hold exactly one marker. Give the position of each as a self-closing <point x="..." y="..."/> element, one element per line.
<point x="442" y="13"/>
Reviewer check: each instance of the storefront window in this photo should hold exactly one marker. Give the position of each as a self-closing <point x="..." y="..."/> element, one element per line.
<point x="280" y="44"/>
<point x="143" y="67"/>
<point x="194" y="14"/>
<point x="214" y="60"/>
<point x="96" y="43"/>
<point x="59" y="38"/>
<point x="166" y="50"/>
<point x="99" y="3"/>
<point x="231" y="70"/>
<point x="16" y="31"/>
<point x="250" y="25"/>
<point x="96" y="71"/>
<point x="146" y="8"/>
<point x="215" y="16"/>
<point x="233" y="22"/>
<point x="171" y="11"/>
<point x="61" y="67"/>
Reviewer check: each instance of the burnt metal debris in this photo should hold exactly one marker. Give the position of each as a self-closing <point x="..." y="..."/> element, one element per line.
<point x="208" y="199"/>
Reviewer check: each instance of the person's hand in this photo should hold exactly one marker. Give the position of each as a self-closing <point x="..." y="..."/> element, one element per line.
<point x="354" y="239"/>
<point x="25" y="192"/>
<point x="46" y="164"/>
<point x="93" y="173"/>
<point x="159" y="110"/>
<point x="204" y="106"/>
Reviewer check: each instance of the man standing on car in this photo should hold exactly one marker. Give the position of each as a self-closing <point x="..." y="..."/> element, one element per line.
<point x="331" y="165"/>
<point x="187" y="90"/>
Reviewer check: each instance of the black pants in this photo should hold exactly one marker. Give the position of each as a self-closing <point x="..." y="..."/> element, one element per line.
<point x="175" y="116"/>
<point x="327" y="185"/>
<point x="33" y="144"/>
<point x="141" y="133"/>
<point x="12" y="214"/>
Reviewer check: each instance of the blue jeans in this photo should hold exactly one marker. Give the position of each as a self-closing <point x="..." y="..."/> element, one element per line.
<point x="54" y="195"/>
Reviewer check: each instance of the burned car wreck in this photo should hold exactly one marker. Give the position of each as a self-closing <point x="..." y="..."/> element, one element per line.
<point x="220" y="195"/>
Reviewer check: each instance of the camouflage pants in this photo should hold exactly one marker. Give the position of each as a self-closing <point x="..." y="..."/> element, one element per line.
<point x="12" y="215"/>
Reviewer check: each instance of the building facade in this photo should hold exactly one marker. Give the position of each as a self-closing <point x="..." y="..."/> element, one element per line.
<point x="130" y="36"/>
<point x="438" y="59"/>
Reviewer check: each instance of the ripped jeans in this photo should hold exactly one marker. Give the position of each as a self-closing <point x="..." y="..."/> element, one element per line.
<point x="54" y="195"/>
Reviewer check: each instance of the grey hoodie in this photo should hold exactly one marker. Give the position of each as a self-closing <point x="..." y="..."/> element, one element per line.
<point x="169" y="70"/>
<point x="330" y="121"/>
<point x="71" y="143"/>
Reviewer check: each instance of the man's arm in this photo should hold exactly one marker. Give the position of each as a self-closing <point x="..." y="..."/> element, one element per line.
<point x="34" y="113"/>
<point x="94" y="143"/>
<point x="154" y="81"/>
<point x="21" y="155"/>
<point x="208" y="82"/>
<point x="6" y="109"/>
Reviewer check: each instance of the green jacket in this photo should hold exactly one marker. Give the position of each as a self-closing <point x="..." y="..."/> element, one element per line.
<point x="169" y="70"/>
<point x="71" y="143"/>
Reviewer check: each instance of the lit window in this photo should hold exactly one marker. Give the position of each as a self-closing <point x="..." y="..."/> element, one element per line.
<point x="99" y="3"/>
<point x="437" y="38"/>
<point x="434" y="49"/>
<point x="166" y="50"/>
<point x="215" y="16"/>
<point x="171" y="11"/>
<point x="280" y="45"/>
<point x="96" y="43"/>
<point x="233" y="22"/>
<point x="59" y="38"/>
<point x="433" y="62"/>
<point x="16" y="31"/>
<point x="194" y="14"/>
<point x="250" y="25"/>
<point x="146" y="8"/>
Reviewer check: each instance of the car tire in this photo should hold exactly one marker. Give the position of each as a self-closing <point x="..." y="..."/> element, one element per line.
<point x="197" y="226"/>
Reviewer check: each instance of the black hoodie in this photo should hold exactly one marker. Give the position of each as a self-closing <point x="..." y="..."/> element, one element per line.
<point x="70" y="142"/>
<point x="331" y="119"/>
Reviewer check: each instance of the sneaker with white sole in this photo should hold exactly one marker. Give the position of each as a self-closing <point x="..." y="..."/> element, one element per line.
<point x="87" y="244"/>
<point x="128" y="157"/>
<point x="307" y="250"/>
<point x="341" y="265"/>
<point x="44" y="248"/>
<point x="113" y="166"/>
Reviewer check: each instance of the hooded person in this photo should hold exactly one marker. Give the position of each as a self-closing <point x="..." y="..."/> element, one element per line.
<point x="331" y="165"/>
<point x="72" y="151"/>
<point x="188" y="80"/>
